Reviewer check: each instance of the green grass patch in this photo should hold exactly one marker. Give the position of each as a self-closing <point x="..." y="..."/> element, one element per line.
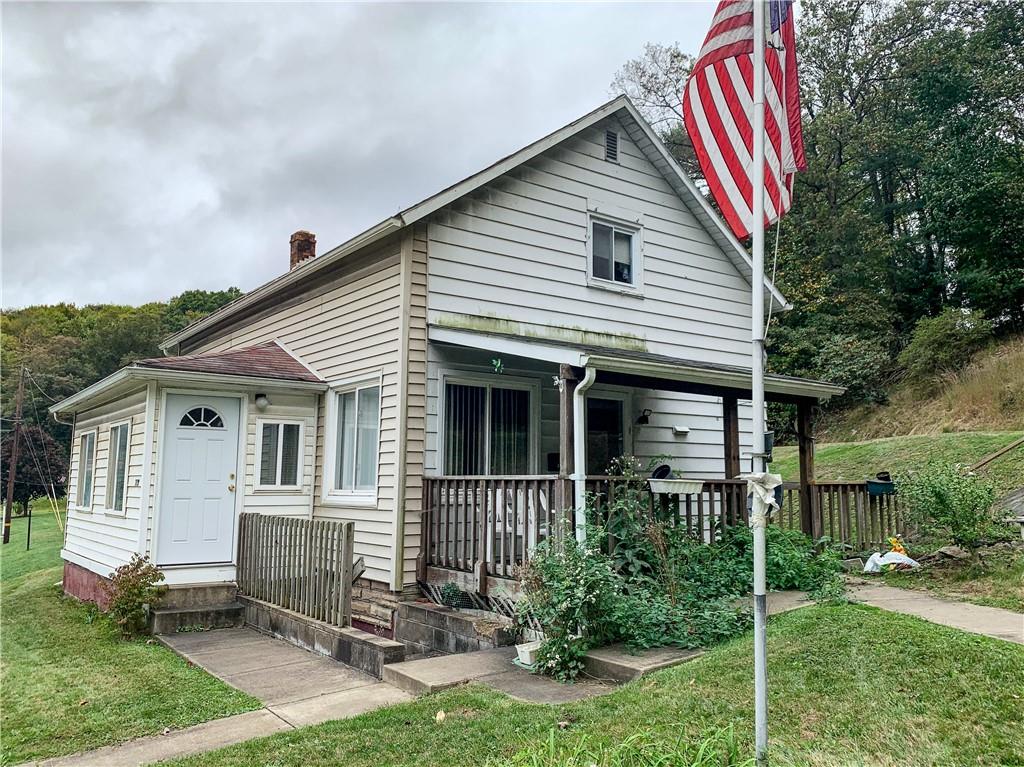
<point x="848" y="685"/>
<point x="853" y="461"/>
<point x="69" y="684"/>
<point x="46" y="541"/>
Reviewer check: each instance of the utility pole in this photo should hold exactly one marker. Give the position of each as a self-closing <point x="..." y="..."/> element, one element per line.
<point x="14" y="455"/>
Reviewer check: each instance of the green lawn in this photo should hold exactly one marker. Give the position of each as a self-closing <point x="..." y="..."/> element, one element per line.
<point x="860" y="460"/>
<point x="848" y="685"/>
<point x="68" y="683"/>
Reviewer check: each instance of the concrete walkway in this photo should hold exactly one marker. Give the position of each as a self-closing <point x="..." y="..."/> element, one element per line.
<point x="301" y="688"/>
<point x="989" y="621"/>
<point x="297" y="687"/>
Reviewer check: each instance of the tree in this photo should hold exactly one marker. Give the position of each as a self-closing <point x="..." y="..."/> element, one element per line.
<point x="41" y="459"/>
<point x="910" y="204"/>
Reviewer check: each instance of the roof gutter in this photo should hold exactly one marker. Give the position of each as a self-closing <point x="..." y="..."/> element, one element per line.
<point x="711" y="377"/>
<point x="301" y="272"/>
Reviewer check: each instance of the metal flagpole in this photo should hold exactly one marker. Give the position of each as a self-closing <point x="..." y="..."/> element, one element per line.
<point x="758" y="516"/>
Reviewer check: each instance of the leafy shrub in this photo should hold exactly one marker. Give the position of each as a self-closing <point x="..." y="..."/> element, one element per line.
<point x="132" y="589"/>
<point x="950" y="501"/>
<point x="642" y="749"/>
<point x="944" y="344"/>
<point x="653" y="584"/>
<point x="571" y="589"/>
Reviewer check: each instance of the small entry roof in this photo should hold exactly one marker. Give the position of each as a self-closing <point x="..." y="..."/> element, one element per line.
<point x="266" y="360"/>
<point x="264" y="365"/>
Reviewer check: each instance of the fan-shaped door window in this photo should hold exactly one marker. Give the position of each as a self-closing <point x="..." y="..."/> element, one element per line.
<point x="202" y="418"/>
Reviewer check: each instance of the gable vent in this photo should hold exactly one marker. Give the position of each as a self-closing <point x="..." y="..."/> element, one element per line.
<point x="611" y="146"/>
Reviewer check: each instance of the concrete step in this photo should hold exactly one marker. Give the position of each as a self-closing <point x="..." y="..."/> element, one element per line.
<point x="424" y="627"/>
<point x="428" y="675"/>
<point x="169" y="620"/>
<point x="617" y="664"/>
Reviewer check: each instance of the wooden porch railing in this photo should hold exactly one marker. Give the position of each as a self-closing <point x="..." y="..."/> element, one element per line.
<point x="489" y="525"/>
<point x="304" y="565"/>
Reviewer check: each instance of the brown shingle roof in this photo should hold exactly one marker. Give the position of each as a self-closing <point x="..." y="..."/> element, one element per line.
<point x="266" y="360"/>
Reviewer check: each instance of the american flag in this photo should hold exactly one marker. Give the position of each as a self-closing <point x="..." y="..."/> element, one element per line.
<point x="718" y="108"/>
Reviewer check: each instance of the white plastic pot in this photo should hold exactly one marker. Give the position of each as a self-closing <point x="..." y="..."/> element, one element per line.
<point x="676" y="486"/>
<point x="528" y="652"/>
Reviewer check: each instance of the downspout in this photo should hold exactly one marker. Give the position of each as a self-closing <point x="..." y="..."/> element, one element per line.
<point x="579" y="451"/>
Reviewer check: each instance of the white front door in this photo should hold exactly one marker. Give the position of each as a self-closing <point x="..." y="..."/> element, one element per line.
<point x="196" y="515"/>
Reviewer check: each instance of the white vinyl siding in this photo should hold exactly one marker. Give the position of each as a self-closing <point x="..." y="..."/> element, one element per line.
<point x="102" y="541"/>
<point x="513" y="257"/>
<point x="347" y="330"/>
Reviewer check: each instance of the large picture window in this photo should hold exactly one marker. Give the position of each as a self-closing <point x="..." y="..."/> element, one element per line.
<point x="117" y="467"/>
<point x="486" y="429"/>
<point x="86" y="468"/>
<point x="354" y="434"/>
<point x="279" y="454"/>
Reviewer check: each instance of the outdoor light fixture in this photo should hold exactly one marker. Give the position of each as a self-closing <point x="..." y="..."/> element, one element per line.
<point x="644" y="418"/>
<point x="262" y="401"/>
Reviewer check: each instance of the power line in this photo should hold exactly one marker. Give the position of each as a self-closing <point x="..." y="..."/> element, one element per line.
<point x="40" y="388"/>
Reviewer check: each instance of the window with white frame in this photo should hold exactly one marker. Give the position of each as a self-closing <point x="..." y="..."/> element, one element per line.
<point x="354" y="435"/>
<point x="279" y="454"/>
<point x="614" y="253"/>
<point x="86" y="467"/>
<point x="486" y="429"/>
<point x="117" y="467"/>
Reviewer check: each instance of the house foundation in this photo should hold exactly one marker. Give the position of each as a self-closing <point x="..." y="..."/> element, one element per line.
<point x="85" y="585"/>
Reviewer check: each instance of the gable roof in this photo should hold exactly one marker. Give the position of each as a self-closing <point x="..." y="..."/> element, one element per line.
<point x="639" y="131"/>
<point x="266" y="360"/>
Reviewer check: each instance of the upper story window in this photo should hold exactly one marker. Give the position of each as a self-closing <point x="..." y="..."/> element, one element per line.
<point x="353" y="440"/>
<point x="86" y="468"/>
<point x="614" y="255"/>
<point x="117" y="467"/>
<point x="279" y="454"/>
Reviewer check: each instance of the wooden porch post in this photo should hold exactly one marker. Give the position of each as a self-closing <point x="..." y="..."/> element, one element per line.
<point x="569" y="378"/>
<point x="731" y="434"/>
<point x="805" y="437"/>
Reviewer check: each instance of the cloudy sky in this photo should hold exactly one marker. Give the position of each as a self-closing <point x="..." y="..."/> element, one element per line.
<point x="148" y="149"/>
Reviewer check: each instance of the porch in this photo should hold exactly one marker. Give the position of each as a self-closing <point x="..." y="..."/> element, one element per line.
<point x="479" y="526"/>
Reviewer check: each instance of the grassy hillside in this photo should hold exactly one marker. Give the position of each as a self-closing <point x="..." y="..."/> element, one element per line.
<point x="858" y="460"/>
<point x="987" y="395"/>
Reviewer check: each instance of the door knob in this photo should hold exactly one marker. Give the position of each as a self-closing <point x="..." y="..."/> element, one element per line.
<point x="231" y="488"/>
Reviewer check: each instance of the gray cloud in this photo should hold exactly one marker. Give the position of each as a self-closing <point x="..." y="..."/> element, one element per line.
<point x="152" y="148"/>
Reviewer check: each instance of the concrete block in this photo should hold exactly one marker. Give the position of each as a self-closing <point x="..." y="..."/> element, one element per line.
<point x="616" y="663"/>
<point x="428" y="675"/>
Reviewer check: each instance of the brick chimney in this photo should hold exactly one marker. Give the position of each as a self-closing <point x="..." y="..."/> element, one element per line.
<point x="303" y="247"/>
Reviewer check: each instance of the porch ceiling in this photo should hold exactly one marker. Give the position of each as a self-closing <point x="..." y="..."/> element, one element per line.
<point x="640" y="369"/>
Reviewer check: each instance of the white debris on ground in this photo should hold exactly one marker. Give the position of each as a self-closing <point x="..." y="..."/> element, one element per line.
<point x="877" y="561"/>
